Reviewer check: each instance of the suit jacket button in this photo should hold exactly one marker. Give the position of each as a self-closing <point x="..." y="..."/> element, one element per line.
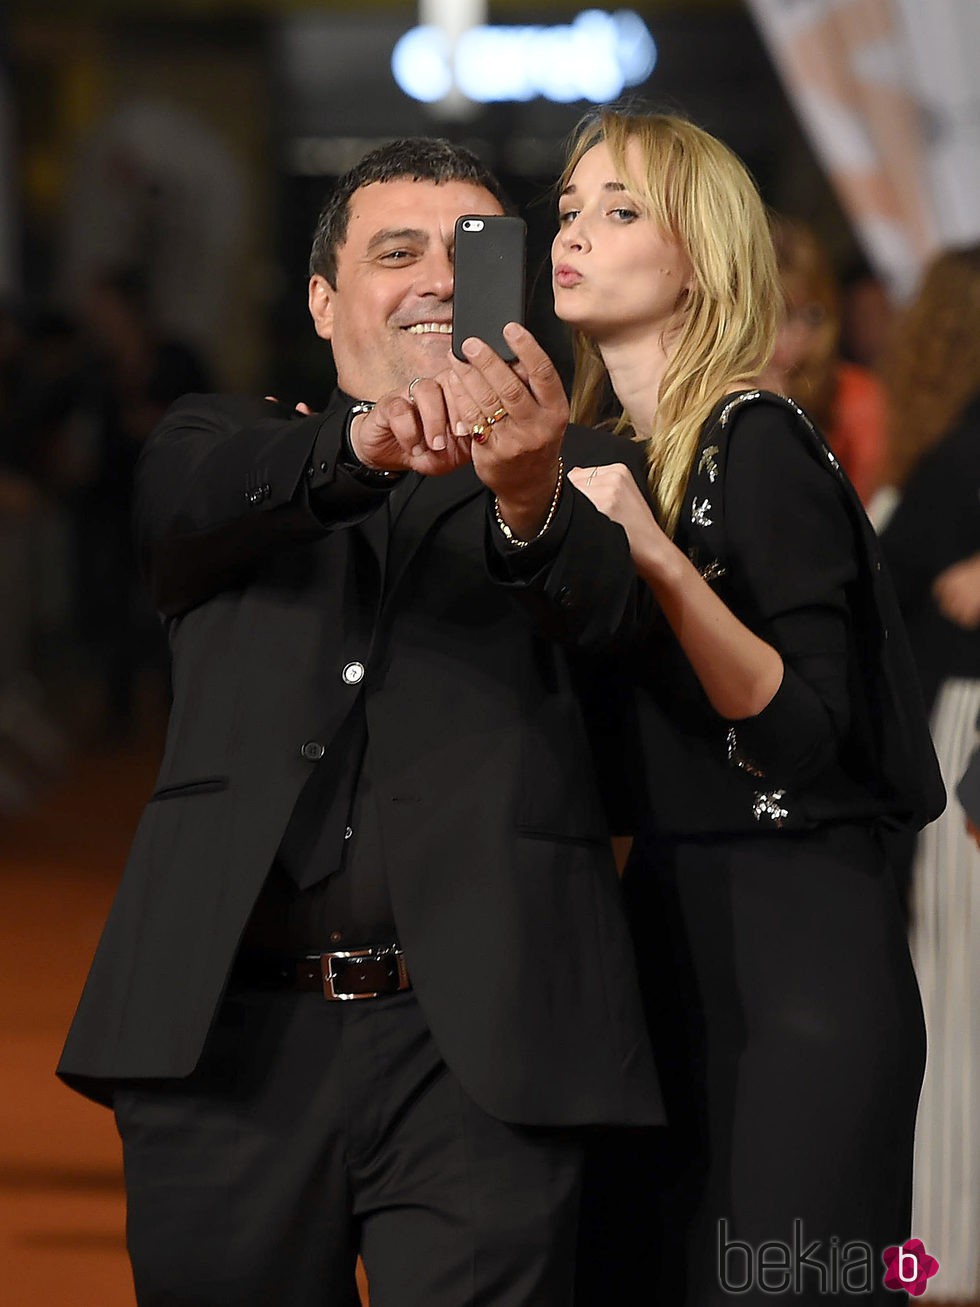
<point x="313" y="751"/>
<point x="353" y="673"/>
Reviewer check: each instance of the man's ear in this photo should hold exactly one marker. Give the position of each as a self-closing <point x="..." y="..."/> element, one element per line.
<point x="321" y="306"/>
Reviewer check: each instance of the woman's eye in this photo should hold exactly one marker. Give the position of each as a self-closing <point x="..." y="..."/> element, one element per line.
<point x="565" y="216"/>
<point x="627" y="215"/>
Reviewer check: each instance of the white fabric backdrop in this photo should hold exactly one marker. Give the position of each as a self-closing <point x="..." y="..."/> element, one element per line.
<point x="887" y="91"/>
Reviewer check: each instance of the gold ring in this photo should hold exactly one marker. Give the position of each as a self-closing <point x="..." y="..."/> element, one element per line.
<point x="496" y="416"/>
<point x="479" y="432"/>
<point x="411" y="386"/>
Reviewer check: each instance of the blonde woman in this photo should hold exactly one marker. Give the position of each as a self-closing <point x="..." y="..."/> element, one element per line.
<point x="782" y="1002"/>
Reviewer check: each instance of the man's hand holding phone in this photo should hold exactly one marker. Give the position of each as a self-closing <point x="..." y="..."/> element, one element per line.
<point x="519" y="413"/>
<point x="500" y="402"/>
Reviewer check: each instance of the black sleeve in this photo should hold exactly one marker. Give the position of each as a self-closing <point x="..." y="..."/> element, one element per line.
<point x="935" y="520"/>
<point x="792" y="555"/>
<point x="222" y="483"/>
<point x="577" y="582"/>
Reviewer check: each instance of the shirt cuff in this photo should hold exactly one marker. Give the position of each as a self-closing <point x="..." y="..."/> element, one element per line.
<point x="332" y="493"/>
<point x="326" y="460"/>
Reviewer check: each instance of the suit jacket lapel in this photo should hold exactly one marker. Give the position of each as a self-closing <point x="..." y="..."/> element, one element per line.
<point x="420" y="512"/>
<point x="377" y="530"/>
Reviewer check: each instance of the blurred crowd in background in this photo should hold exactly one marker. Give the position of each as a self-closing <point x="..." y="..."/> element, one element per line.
<point x="78" y="397"/>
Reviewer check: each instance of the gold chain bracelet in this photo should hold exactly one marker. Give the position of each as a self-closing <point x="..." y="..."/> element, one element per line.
<point x="516" y="541"/>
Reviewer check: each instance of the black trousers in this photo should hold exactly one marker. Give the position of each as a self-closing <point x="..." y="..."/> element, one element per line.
<point x="786" y="1022"/>
<point x="312" y="1131"/>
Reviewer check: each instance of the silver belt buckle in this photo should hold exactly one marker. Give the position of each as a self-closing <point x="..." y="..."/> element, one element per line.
<point x="329" y="976"/>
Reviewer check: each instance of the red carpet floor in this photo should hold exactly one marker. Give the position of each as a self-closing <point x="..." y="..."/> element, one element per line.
<point x="62" y="1210"/>
<point x="61" y="1198"/>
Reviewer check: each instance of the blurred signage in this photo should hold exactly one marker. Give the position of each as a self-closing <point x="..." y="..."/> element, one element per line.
<point x="595" y="57"/>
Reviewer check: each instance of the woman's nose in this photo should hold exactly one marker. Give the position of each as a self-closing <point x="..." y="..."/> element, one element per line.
<point x="573" y="235"/>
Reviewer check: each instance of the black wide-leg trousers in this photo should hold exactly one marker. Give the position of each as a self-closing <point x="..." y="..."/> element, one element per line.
<point x="312" y="1131"/>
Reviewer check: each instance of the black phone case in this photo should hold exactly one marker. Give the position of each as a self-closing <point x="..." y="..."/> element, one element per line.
<point x="488" y="288"/>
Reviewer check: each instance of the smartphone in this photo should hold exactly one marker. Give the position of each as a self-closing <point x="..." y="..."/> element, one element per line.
<point x="488" y="286"/>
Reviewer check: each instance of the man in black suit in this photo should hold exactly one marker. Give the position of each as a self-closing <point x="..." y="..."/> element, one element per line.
<point x="366" y="973"/>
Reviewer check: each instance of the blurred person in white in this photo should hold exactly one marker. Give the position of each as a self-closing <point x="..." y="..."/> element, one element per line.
<point x="932" y="543"/>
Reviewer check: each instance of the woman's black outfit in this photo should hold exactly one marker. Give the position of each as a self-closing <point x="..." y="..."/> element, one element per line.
<point x="781" y="999"/>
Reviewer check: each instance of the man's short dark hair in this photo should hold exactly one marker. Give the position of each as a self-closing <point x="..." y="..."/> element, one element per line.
<point x="420" y="158"/>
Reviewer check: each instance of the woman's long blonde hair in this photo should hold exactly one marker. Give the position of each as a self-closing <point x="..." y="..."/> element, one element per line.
<point x="701" y="195"/>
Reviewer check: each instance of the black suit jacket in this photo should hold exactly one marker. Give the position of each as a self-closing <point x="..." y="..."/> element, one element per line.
<point x="496" y="843"/>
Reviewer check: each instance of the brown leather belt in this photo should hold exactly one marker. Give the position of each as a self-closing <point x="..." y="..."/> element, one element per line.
<point x="350" y="974"/>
